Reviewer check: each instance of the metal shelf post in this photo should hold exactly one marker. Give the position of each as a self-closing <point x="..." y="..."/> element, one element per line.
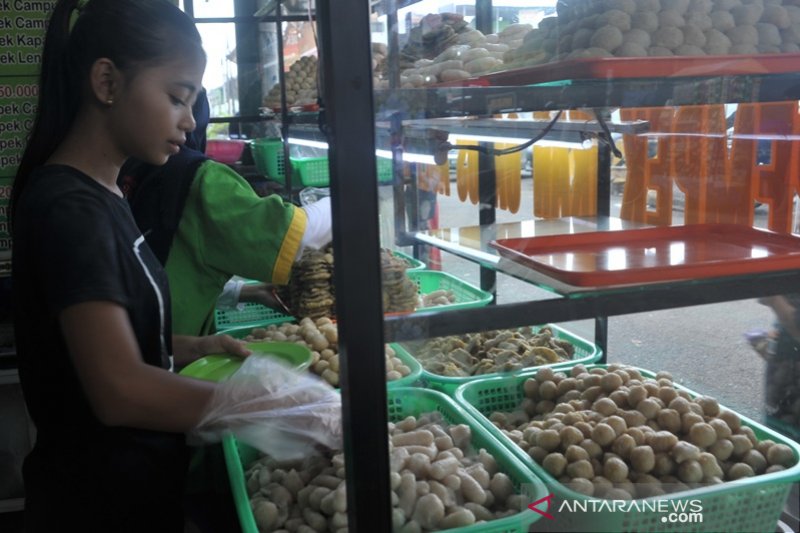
<point x="347" y="81"/>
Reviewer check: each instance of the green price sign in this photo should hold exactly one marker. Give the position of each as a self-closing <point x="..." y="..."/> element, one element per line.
<point x="22" y="28"/>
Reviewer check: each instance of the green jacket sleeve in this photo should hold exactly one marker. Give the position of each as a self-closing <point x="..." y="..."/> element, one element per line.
<point x="226" y="229"/>
<point x="240" y="232"/>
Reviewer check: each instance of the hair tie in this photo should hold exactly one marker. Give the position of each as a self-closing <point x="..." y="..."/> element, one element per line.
<point x="76" y="12"/>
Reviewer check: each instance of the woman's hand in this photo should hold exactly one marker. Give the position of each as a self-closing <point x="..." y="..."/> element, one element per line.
<point x="188" y="349"/>
<point x="262" y="293"/>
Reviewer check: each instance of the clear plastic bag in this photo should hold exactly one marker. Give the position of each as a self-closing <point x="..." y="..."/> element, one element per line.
<point x="279" y="410"/>
<point x="309" y="195"/>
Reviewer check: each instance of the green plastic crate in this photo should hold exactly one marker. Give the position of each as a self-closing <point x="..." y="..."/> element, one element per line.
<point x="413" y="264"/>
<point x="269" y="159"/>
<point x="467" y="295"/>
<point x="312" y="171"/>
<point x="411" y="379"/>
<point x="585" y="353"/>
<point x="251" y="315"/>
<point x="405" y="402"/>
<point x="745" y="505"/>
<point x="384" y="170"/>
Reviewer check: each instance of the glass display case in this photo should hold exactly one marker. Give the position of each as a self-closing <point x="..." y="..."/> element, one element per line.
<point x="637" y="145"/>
<point x="565" y="233"/>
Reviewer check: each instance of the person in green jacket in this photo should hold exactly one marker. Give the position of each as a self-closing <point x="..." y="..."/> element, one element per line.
<point x="206" y="224"/>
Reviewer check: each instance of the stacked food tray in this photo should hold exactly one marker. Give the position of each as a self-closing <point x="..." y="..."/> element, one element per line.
<point x="744" y="504"/>
<point x="402" y="403"/>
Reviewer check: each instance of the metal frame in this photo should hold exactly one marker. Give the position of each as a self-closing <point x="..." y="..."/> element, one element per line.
<point x="603" y="304"/>
<point x="347" y="82"/>
<point x="437" y="102"/>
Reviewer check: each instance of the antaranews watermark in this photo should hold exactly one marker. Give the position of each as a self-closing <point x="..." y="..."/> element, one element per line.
<point x="673" y="511"/>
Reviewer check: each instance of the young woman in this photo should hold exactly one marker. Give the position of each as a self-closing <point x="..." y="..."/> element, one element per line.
<point x="92" y="306"/>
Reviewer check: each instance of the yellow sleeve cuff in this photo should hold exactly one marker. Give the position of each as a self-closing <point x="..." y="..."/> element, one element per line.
<point x="290" y="247"/>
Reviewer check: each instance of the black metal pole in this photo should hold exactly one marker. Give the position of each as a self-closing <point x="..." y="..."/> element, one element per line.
<point x="601" y="337"/>
<point x="398" y="181"/>
<point x="603" y="177"/>
<point x="248" y="59"/>
<point x="603" y="212"/>
<point x="347" y="65"/>
<point x="487" y="194"/>
<point x="393" y="46"/>
<point x="484" y="21"/>
<point x="287" y="164"/>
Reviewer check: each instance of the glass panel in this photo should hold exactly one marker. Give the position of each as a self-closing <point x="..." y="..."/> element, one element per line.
<point x="299" y="62"/>
<point x="213" y="8"/>
<point x="289" y="7"/>
<point x="220" y="80"/>
<point x="609" y="118"/>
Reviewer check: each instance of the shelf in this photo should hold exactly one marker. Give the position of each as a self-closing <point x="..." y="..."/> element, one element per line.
<point x="434" y="102"/>
<point x="635" y="67"/>
<point x="520" y="128"/>
<point x="592" y="304"/>
<point x="472" y="243"/>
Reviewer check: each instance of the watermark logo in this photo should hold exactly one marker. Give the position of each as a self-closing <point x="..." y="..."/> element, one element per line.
<point x="673" y="511"/>
<point x="545" y="513"/>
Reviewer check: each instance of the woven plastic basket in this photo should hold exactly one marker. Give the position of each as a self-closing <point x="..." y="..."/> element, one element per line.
<point x="466" y="295"/>
<point x="384" y="170"/>
<point x="405" y="402"/>
<point x="413" y="264"/>
<point x="745" y="505"/>
<point x="313" y="171"/>
<point x="251" y="315"/>
<point x="269" y="159"/>
<point x="406" y="381"/>
<point x="585" y="352"/>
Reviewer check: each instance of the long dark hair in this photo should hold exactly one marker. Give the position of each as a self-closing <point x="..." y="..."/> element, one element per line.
<point x="132" y="33"/>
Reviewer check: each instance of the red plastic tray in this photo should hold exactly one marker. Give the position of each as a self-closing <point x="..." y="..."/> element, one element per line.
<point x="638" y="67"/>
<point x="654" y="254"/>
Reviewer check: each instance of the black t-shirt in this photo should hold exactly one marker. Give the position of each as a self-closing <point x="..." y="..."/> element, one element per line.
<point x="75" y="241"/>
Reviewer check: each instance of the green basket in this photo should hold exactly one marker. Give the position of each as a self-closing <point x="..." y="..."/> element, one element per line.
<point x="384" y="170"/>
<point x="313" y="171"/>
<point x="413" y="264"/>
<point x="269" y="159"/>
<point x="585" y="352"/>
<point x="749" y="504"/>
<point x="407" y="381"/>
<point x="412" y="378"/>
<point x="466" y="295"/>
<point x="405" y="402"/>
<point x="251" y="315"/>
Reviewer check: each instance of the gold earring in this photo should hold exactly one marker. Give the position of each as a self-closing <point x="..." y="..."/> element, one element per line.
<point x="110" y="101"/>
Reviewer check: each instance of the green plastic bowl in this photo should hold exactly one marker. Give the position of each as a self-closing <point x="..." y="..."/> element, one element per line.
<point x="220" y="367"/>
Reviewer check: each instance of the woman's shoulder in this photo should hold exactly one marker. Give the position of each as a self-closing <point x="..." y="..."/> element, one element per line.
<point x="59" y="179"/>
<point x="61" y="184"/>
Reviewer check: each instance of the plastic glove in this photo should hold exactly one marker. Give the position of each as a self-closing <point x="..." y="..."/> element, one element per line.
<point x="279" y="410"/>
<point x="318" y="228"/>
